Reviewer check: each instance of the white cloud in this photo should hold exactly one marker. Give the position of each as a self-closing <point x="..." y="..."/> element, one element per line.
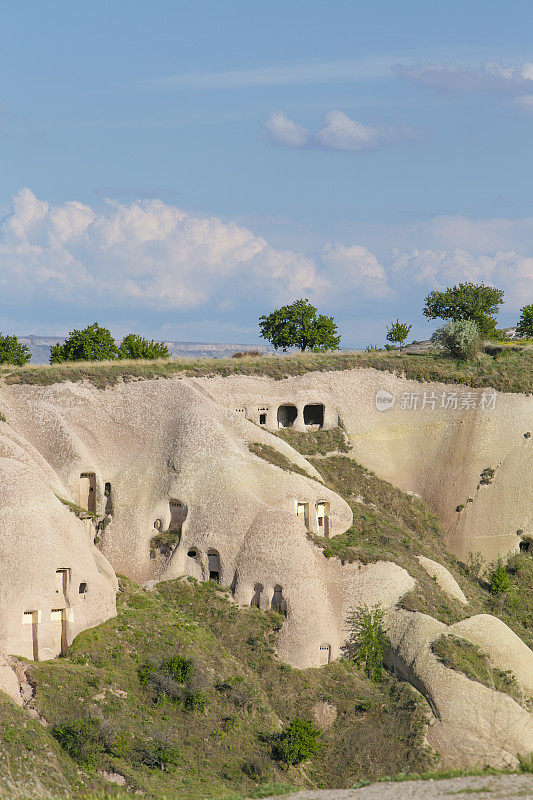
<point x="338" y="132"/>
<point x="342" y="133"/>
<point x="285" y="131"/>
<point x="436" y="269"/>
<point x="515" y="81"/>
<point x="151" y="256"/>
<point x="355" y="267"/>
<point x="145" y="253"/>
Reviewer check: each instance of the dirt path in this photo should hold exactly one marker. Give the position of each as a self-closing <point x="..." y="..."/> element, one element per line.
<point x="488" y="787"/>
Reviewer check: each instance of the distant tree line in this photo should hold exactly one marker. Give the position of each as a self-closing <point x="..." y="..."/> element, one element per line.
<point x="469" y="311"/>
<point x="93" y="343"/>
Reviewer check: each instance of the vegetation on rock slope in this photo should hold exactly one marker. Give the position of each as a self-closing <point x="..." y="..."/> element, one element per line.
<point x="390" y="525"/>
<point x="182" y="693"/>
<point x="209" y="731"/>
<point x="507" y="369"/>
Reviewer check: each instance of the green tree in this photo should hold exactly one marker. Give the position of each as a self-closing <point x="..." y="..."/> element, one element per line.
<point x="367" y="640"/>
<point x="398" y="332"/>
<point x="134" y="346"/>
<point x="298" y="325"/>
<point x="297" y="742"/>
<point x="500" y="583"/>
<point x="525" y="323"/>
<point x="12" y="351"/>
<point x="91" y="344"/>
<point x="469" y="301"/>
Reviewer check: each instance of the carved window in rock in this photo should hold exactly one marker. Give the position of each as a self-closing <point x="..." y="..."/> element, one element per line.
<point x="323" y="518"/>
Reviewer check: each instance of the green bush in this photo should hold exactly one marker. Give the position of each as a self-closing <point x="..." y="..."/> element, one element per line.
<point x="82" y="739"/>
<point x="167" y="678"/>
<point x="135" y="346"/>
<point x="93" y="343"/>
<point x="458" y="339"/>
<point x="297" y="742"/>
<point x="165" y="542"/>
<point x="197" y="701"/>
<point x="178" y="668"/>
<point x="500" y="583"/>
<point x="487" y="476"/>
<point x="13" y="352"/>
<point x="526" y="762"/>
<point x="367" y="640"/>
<point x="159" y="752"/>
<point x="525" y="323"/>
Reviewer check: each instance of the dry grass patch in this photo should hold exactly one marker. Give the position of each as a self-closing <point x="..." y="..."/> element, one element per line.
<point x="508" y="370"/>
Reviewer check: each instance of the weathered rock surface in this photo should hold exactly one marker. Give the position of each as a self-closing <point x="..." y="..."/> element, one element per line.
<point x="173" y="453"/>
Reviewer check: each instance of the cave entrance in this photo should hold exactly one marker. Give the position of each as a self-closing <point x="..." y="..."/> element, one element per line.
<point x="88" y="491"/>
<point x="302" y="511"/>
<point x="58" y="625"/>
<point x="178" y="514"/>
<point x="314" y="415"/>
<point x="213" y="562"/>
<point x="62" y="576"/>
<point x="286" y="416"/>
<point x="322" y="518"/>
<point x="279" y="603"/>
<point x="31" y="618"/>
<point x="258" y="591"/>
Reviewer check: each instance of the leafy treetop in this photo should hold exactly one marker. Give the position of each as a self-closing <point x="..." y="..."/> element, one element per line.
<point x="475" y="302"/>
<point x="299" y="325"/>
<point x="91" y="344"/>
<point x="134" y="346"/>
<point x="13" y="352"/>
<point x="398" y="332"/>
<point x="95" y="343"/>
<point x="525" y="323"/>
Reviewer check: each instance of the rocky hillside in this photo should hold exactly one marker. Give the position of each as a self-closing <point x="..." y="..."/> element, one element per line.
<point x="249" y="517"/>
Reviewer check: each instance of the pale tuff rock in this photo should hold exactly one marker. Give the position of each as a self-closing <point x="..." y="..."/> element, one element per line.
<point x="434" y="441"/>
<point x="149" y="456"/>
<point x="505" y="649"/>
<point x="444" y="579"/>
<point x="473" y="725"/>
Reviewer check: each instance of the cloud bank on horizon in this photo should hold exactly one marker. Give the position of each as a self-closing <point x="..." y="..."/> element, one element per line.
<point x="149" y="255"/>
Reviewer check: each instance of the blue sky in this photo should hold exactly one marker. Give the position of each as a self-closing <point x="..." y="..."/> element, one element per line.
<point x="181" y="168"/>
